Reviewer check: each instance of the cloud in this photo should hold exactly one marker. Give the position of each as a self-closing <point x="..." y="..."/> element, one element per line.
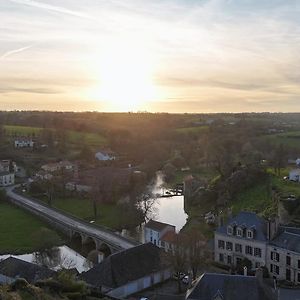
<point x="12" y="89"/>
<point x="15" y="51"/>
<point x="53" y="8"/>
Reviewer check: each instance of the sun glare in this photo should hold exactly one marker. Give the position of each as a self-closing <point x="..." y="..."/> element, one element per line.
<point x="125" y="79"/>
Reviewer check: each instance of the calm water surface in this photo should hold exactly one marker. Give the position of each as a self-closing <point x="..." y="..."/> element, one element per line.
<point x="168" y="209"/>
<point x="55" y="258"/>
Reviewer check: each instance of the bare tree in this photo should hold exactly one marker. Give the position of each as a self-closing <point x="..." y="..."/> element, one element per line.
<point x="196" y="245"/>
<point x="178" y="259"/>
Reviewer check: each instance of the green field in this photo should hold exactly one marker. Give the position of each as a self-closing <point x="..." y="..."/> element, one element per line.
<point x="74" y="137"/>
<point x="91" y="139"/>
<point x="257" y="198"/>
<point x="108" y="214"/>
<point x="21" y="130"/>
<point x="289" y="139"/>
<point x="20" y="231"/>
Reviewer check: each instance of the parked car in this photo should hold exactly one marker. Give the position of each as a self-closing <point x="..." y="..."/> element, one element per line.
<point x="185" y="279"/>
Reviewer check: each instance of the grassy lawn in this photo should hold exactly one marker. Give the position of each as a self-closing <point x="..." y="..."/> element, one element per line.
<point x="108" y="214"/>
<point x="91" y="139"/>
<point x="21" y="130"/>
<point x="20" y="230"/>
<point x="257" y="198"/>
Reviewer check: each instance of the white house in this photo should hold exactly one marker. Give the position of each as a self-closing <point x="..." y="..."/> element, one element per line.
<point x="129" y="271"/>
<point x="7" y="172"/>
<point x="244" y="236"/>
<point x="7" y="178"/>
<point x="294" y="175"/>
<point x="264" y="243"/>
<point x="24" y="143"/>
<point x="56" y="166"/>
<point x="104" y="156"/>
<point x="154" y="231"/>
<point x="283" y="255"/>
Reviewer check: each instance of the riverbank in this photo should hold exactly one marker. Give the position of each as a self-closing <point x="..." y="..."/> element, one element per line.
<point x="22" y="232"/>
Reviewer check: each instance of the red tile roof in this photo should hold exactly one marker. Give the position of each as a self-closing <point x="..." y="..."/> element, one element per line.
<point x="169" y="237"/>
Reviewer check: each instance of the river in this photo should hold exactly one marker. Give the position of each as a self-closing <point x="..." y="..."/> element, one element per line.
<point x="168" y="209"/>
<point x="165" y="209"/>
<point x="55" y="258"/>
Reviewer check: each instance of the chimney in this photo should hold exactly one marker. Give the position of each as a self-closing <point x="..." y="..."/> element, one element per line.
<point x="245" y="271"/>
<point x="220" y="220"/>
<point x="272" y="228"/>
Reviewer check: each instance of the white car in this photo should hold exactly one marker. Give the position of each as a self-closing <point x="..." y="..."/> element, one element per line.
<point x="186" y="279"/>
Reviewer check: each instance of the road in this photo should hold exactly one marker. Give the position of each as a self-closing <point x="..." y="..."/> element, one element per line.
<point x="104" y="234"/>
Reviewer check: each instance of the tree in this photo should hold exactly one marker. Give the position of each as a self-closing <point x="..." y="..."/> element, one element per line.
<point x="146" y="203"/>
<point x="278" y="159"/>
<point x="178" y="259"/>
<point x="196" y="245"/>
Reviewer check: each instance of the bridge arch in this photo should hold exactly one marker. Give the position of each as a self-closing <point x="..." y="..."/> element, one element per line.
<point x="76" y="238"/>
<point x="105" y="249"/>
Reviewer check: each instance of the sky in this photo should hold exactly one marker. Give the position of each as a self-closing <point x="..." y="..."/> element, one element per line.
<point x="158" y="55"/>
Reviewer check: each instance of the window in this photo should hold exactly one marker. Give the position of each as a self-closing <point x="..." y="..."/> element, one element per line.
<point x="154" y="242"/>
<point x="238" y="248"/>
<point x="229" y="230"/>
<point x="298" y="263"/>
<point x="257" y="252"/>
<point x="221" y="244"/>
<point x="257" y="265"/>
<point x="162" y="243"/>
<point x="239" y="232"/>
<point x="229" y="259"/>
<point x="274" y="256"/>
<point x="288" y="274"/>
<point x="298" y="277"/>
<point x="249" y="234"/>
<point x="151" y="240"/>
<point x="221" y="257"/>
<point x="274" y="269"/>
<point x="229" y="246"/>
<point x="248" y="250"/>
<point x="288" y="260"/>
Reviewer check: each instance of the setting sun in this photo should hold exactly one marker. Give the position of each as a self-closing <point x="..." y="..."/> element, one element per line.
<point x="125" y="76"/>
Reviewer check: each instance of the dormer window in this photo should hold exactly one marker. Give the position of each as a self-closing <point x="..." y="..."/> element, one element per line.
<point x="239" y="232"/>
<point x="249" y="234"/>
<point x="229" y="230"/>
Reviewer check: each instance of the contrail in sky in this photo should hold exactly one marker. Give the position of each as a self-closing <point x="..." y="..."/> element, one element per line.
<point x="54" y="8"/>
<point x="11" y="52"/>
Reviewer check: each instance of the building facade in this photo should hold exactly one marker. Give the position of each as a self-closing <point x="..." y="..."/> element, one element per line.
<point x="154" y="232"/>
<point x="244" y="236"/>
<point x="264" y="243"/>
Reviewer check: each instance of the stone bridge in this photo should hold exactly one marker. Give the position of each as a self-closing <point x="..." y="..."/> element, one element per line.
<point x="90" y="235"/>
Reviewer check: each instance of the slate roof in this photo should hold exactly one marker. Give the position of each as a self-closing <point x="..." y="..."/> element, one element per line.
<point x="169" y="237"/>
<point x="248" y="220"/>
<point x="289" y="239"/>
<point x="289" y="294"/>
<point x="16" y="268"/>
<point x="157" y="226"/>
<point x="227" y="287"/>
<point x="125" y="266"/>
